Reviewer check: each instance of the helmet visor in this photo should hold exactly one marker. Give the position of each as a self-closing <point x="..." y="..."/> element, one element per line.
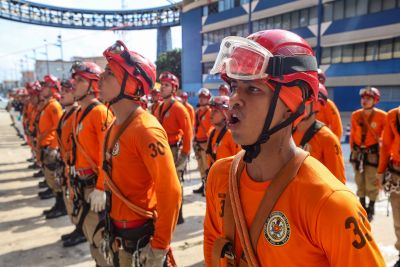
<point x="242" y="59"/>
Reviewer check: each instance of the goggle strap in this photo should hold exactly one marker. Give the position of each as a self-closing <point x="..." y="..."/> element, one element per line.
<point x="279" y="66"/>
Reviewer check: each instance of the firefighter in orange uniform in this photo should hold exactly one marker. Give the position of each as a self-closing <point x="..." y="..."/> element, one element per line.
<point x="155" y="99"/>
<point x="175" y="120"/>
<point x="316" y="138"/>
<point x="46" y="144"/>
<point x="35" y="89"/>
<point x="64" y="136"/>
<point x="272" y="200"/>
<point x="201" y="129"/>
<point x="143" y="190"/>
<point x="389" y="166"/>
<point x="89" y="125"/>
<point x="189" y="108"/>
<point x="367" y="125"/>
<point x="328" y="112"/>
<point x="220" y="143"/>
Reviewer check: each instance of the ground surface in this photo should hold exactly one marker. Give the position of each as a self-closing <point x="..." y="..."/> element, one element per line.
<point x="27" y="239"/>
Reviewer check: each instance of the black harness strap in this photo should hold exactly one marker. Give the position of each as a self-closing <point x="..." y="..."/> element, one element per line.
<point x="63" y="118"/>
<point x="85" y="113"/>
<point x="161" y="113"/>
<point x="217" y="142"/>
<point x="309" y="134"/>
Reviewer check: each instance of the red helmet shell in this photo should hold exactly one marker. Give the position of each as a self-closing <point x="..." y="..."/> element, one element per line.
<point x="169" y="77"/>
<point x="286" y="43"/>
<point x="372" y="92"/>
<point x="88" y="70"/>
<point x="204" y="92"/>
<point x="146" y="79"/>
<point x="52" y="81"/>
<point x="184" y="96"/>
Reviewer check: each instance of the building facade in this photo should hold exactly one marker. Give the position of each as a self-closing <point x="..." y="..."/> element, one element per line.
<point x="357" y="42"/>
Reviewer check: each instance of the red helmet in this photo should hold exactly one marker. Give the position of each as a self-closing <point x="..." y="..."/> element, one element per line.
<point x="204" y="92"/>
<point x="224" y="88"/>
<point x="52" y="82"/>
<point x="137" y="66"/>
<point x="67" y="85"/>
<point x="285" y="44"/>
<point x="220" y="102"/>
<point x="372" y="92"/>
<point x="34" y="88"/>
<point x="155" y="92"/>
<point x="322" y="94"/>
<point x="169" y="77"/>
<point x="321" y="76"/>
<point x="88" y="70"/>
<point x="184" y="96"/>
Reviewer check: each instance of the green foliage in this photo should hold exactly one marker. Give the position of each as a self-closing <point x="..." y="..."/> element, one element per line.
<point x="170" y="61"/>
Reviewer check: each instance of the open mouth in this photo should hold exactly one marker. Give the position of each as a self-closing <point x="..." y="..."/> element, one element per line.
<point x="233" y="119"/>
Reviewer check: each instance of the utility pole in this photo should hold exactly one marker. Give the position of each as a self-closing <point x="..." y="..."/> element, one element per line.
<point x="250" y="23"/>
<point x="47" y="57"/>
<point x="62" y="54"/>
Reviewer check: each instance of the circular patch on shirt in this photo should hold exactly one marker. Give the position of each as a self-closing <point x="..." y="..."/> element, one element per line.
<point x="166" y="115"/>
<point x="115" y="150"/>
<point x="373" y="125"/>
<point x="277" y="229"/>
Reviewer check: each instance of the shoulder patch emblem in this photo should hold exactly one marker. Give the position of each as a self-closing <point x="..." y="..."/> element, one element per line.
<point x="277" y="229"/>
<point x="115" y="150"/>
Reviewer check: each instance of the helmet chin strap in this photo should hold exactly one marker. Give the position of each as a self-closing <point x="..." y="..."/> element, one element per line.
<point x="86" y="94"/>
<point x="122" y="94"/>
<point x="252" y="151"/>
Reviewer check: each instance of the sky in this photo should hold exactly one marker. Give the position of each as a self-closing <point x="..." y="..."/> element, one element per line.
<point x="19" y="39"/>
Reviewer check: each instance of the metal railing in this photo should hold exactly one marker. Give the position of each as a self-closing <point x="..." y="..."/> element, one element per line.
<point x="39" y="14"/>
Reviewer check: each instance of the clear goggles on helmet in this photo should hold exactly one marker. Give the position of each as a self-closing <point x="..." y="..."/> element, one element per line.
<point x="119" y="51"/>
<point x="243" y="59"/>
<point x="78" y="67"/>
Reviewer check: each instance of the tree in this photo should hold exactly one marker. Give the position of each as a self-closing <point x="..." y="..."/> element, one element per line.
<point x="170" y="61"/>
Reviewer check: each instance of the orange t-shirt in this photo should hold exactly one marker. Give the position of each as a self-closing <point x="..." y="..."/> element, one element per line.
<point x="317" y="221"/>
<point x="90" y="134"/>
<point x="27" y="115"/>
<point x="65" y="139"/>
<point x="31" y="124"/>
<point x="325" y="147"/>
<point x="176" y="122"/>
<point x="330" y="116"/>
<point x="48" y="123"/>
<point x="226" y="148"/>
<point x="191" y="112"/>
<point x="375" y="125"/>
<point x="390" y="141"/>
<point x="143" y="169"/>
<point x="202" y="124"/>
<point x="154" y="107"/>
